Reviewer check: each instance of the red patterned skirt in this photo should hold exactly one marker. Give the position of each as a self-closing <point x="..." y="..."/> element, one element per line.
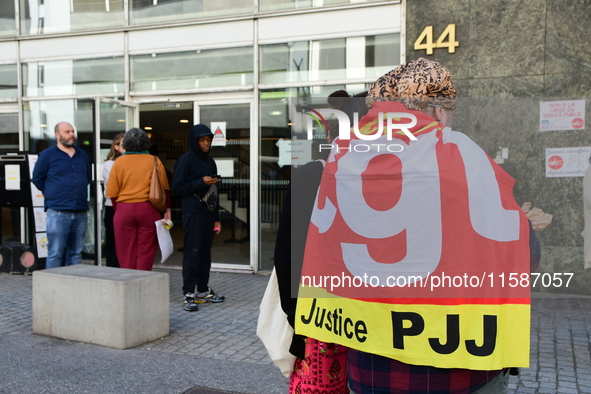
<point x="323" y="371"/>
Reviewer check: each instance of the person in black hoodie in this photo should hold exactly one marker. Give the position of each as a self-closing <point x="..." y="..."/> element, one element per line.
<point x="192" y="179"/>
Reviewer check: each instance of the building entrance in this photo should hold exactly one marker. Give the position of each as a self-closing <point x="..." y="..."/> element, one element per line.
<point x="168" y="124"/>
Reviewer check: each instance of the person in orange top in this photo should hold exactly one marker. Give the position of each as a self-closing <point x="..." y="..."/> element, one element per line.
<point x="129" y="189"/>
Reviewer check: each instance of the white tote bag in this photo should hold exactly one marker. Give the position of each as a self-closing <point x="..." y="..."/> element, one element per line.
<point x="273" y="328"/>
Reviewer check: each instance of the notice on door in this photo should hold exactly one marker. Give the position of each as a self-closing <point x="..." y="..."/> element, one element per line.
<point x="562" y="115"/>
<point x="219" y="133"/>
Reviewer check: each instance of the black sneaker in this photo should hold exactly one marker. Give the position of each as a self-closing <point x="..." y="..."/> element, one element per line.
<point x="189" y="303"/>
<point x="208" y="296"/>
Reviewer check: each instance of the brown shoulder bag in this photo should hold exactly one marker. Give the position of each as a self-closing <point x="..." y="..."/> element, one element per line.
<point x="157" y="193"/>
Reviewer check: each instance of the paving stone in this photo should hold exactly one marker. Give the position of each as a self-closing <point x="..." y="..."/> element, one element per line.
<point x="530" y="384"/>
<point x="563" y="384"/>
<point x="563" y="390"/>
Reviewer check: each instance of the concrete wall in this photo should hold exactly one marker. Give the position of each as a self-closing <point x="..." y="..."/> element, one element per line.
<point x="518" y="53"/>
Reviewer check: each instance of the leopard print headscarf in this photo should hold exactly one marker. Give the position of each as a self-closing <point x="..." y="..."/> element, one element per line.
<point x="416" y="84"/>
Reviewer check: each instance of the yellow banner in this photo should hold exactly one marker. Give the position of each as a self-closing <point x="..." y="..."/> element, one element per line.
<point x="478" y="337"/>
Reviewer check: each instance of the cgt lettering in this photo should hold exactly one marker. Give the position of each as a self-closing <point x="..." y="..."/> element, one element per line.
<point x="335" y="322"/>
<point x="450" y="341"/>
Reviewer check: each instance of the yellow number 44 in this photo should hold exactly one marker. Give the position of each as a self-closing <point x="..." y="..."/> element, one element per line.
<point x="427" y="35"/>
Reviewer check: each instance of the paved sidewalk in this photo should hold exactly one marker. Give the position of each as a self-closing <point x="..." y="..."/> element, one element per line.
<point x="217" y="348"/>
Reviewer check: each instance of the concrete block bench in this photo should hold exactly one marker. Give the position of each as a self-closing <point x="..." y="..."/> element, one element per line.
<point x="112" y="307"/>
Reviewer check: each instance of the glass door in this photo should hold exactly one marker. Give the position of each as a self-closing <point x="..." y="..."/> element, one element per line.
<point x="111" y="117"/>
<point x="233" y="150"/>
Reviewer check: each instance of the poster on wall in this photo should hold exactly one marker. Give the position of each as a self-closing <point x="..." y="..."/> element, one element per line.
<point x="567" y="162"/>
<point x="37" y="196"/>
<point x="40" y="219"/>
<point x="562" y="115"/>
<point x="219" y="133"/>
<point x="41" y="245"/>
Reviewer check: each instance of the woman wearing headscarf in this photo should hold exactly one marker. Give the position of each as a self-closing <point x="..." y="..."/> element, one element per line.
<point x="129" y="190"/>
<point x="110" y="251"/>
<point x="423" y="92"/>
<point x="320" y="366"/>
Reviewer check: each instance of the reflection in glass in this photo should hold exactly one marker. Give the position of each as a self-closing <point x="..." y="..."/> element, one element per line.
<point x="190" y="70"/>
<point x="273" y="5"/>
<point x="7" y="18"/>
<point x="8" y="81"/>
<point x="278" y="114"/>
<point x="69" y="77"/>
<point x="337" y="59"/>
<point x="154" y="11"/>
<point x="57" y="16"/>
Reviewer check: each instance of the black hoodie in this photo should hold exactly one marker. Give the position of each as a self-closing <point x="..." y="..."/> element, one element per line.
<point x="189" y="171"/>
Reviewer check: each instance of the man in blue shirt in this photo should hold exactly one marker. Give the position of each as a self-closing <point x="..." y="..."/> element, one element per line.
<point x="62" y="173"/>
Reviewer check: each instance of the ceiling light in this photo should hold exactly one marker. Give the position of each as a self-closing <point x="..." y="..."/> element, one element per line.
<point x="147" y="128"/>
<point x="276" y="113"/>
<point x="184" y="121"/>
<point x="121" y="120"/>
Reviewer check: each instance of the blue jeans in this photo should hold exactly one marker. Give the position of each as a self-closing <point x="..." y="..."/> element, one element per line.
<point x="65" y="233"/>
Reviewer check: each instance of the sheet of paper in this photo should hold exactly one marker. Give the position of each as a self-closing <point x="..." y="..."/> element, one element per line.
<point x="41" y="245"/>
<point x="32" y="162"/>
<point x="40" y="219"/>
<point x="164" y="240"/>
<point x="12" y="174"/>
<point x="225" y="167"/>
<point x="37" y="196"/>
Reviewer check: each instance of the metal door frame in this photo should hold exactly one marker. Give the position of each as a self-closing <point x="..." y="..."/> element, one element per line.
<point x="253" y="264"/>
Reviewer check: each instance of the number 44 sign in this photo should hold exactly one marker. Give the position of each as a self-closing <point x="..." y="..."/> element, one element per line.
<point x="427" y="35"/>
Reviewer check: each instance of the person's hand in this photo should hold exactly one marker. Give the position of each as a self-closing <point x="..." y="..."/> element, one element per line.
<point x="167" y="214"/>
<point x="210" y="181"/>
<point x="217" y="227"/>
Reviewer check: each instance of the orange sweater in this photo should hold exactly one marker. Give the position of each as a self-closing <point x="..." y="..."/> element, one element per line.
<point x="131" y="176"/>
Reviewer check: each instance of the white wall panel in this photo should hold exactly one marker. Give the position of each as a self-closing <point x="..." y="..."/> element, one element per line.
<point x="172" y="39"/>
<point x="8" y="52"/>
<point x="81" y="47"/>
<point x="322" y="25"/>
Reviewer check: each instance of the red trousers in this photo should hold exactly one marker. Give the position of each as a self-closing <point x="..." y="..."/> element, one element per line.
<point x="135" y="232"/>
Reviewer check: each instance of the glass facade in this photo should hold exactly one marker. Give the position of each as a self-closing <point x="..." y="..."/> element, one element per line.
<point x="61" y="16"/>
<point x="169" y="86"/>
<point x="9" y="131"/>
<point x="7" y="19"/>
<point x="277" y="116"/>
<point x="74" y="77"/>
<point x="40" y="117"/>
<point x="275" y="5"/>
<point x="232" y="245"/>
<point x="336" y="59"/>
<point x="58" y="16"/>
<point x="156" y="11"/>
<point x="8" y="81"/>
<point x="190" y="70"/>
